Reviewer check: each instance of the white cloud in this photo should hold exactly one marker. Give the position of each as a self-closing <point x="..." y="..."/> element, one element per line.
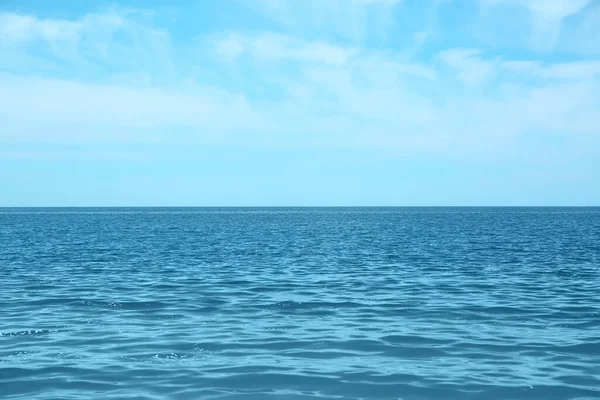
<point x="352" y="19"/>
<point x="282" y="48"/>
<point x="367" y="102"/>
<point x="471" y="68"/>
<point x="270" y="46"/>
<point x="421" y="37"/>
<point x="230" y="48"/>
<point x="21" y="29"/>
<point x="547" y="17"/>
<point x="69" y="102"/>
<point x="15" y="28"/>
<point x="553" y="10"/>
<point x="327" y="95"/>
<point x="575" y="70"/>
<point x="94" y="42"/>
<point x="583" y="37"/>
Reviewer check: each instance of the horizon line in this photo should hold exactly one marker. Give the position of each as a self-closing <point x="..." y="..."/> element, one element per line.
<point x="314" y="206"/>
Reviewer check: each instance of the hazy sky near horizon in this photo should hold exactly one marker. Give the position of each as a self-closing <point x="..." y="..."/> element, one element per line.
<point x="299" y="102"/>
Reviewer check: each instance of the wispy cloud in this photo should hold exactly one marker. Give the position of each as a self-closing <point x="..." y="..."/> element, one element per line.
<point x="95" y="44"/>
<point x="546" y="17"/>
<point x="275" y="89"/>
<point x="279" y="47"/>
<point x="471" y="68"/>
<point x="19" y="29"/>
<point x="356" y="20"/>
<point x="575" y="70"/>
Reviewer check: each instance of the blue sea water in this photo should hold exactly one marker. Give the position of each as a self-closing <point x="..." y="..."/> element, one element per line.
<point x="300" y="303"/>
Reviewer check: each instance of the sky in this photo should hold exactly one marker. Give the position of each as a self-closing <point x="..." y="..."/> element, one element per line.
<point x="299" y="103"/>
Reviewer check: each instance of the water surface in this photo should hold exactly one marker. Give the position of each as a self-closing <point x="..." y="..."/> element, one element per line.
<point x="300" y="303"/>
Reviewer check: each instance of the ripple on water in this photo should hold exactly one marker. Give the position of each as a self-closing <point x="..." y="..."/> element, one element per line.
<point x="323" y="303"/>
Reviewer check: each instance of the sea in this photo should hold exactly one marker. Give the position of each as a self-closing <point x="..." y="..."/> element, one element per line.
<point x="407" y="303"/>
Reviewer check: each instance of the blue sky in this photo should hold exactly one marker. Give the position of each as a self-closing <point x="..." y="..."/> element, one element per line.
<point x="300" y="102"/>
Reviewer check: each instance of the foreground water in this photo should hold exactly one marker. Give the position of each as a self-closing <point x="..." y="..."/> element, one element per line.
<point x="295" y="303"/>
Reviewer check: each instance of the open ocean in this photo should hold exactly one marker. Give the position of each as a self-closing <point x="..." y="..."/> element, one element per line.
<point x="300" y="303"/>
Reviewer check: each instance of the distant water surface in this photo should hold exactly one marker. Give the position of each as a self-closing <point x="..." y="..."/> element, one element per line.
<point x="300" y="303"/>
